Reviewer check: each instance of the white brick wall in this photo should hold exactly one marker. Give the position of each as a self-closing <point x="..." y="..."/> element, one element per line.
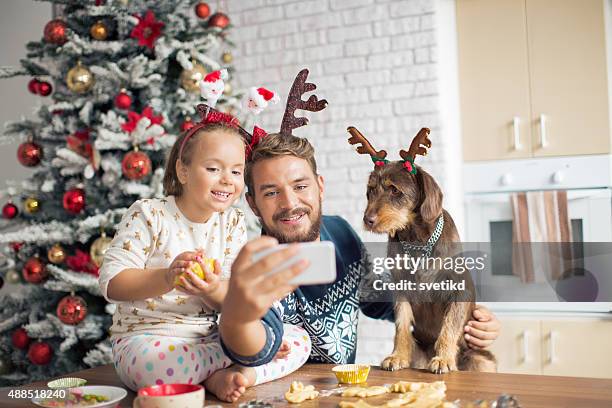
<point x="375" y="61"/>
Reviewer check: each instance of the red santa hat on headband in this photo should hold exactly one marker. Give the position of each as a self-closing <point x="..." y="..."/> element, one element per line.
<point x="257" y="99"/>
<point x="211" y="87"/>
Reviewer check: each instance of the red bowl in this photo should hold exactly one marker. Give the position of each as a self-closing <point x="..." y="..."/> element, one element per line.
<point x="168" y="389"/>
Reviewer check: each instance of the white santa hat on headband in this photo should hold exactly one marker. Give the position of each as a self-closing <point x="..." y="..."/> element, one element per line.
<point x="211" y="87"/>
<point x="257" y="99"/>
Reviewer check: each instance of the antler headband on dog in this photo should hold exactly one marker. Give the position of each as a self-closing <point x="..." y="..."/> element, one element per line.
<point x="420" y="144"/>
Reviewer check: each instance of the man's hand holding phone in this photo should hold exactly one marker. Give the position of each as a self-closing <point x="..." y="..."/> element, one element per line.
<point x="252" y="289"/>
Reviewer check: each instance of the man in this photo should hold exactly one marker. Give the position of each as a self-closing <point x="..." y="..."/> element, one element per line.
<point x="285" y="192"/>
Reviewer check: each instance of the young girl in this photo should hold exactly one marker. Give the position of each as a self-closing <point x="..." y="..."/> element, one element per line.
<point x="167" y="333"/>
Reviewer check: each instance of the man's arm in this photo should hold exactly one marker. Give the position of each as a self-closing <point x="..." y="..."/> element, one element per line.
<point x="269" y="329"/>
<point x="251" y="330"/>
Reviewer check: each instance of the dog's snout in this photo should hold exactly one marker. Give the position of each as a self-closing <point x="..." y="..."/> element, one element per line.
<point x="369" y="219"/>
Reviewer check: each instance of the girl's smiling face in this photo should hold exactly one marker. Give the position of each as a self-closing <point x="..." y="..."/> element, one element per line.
<point x="214" y="177"/>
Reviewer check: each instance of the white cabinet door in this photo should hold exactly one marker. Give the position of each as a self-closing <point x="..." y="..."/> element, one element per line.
<point x="579" y="348"/>
<point x="517" y="349"/>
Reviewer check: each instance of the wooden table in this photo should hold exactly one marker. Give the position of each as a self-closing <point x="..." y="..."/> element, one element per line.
<point x="532" y="391"/>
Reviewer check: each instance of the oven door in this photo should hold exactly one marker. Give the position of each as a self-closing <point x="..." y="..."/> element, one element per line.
<point x="489" y="221"/>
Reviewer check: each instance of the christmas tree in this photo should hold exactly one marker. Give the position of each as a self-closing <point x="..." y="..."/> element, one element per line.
<point x="120" y="79"/>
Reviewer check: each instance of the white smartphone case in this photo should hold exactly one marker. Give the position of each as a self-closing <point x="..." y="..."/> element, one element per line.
<point x="322" y="257"/>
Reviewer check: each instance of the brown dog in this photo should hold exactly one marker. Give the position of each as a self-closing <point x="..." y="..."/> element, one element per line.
<point x="405" y="202"/>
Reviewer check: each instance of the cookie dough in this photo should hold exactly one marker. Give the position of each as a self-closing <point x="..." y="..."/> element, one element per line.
<point x="365" y="392"/>
<point x="298" y="393"/>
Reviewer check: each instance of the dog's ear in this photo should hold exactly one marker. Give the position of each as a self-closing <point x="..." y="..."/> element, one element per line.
<point x="431" y="206"/>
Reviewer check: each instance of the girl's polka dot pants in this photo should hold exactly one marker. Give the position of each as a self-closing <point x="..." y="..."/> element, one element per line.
<point x="146" y="359"/>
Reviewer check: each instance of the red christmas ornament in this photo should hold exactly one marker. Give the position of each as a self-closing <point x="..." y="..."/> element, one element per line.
<point x="72" y="309"/>
<point x="147" y="30"/>
<point x="34" y="270"/>
<point x="20" y="339"/>
<point x="134" y="117"/>
<point x="74" y="200"/>
<point x="55" y="32"/>
<point x="81" y="262"/>
<point x="16" y="246"/>
<point x="219" y="20"/>
<point x="33" y="86"/>
<point x="40" y="353"/>
<point x="10" y="211"/>
<point x="44" y="88"/>
<point x="79" y="143"/>
<point x="202" y="10"/>
<point x="29" y="154"/>
<point x="136" y="165"/>
<point x="187" y="124"/>
<point x="123" y="100"/>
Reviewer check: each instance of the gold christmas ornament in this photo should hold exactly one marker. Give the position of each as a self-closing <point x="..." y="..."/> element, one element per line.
<point x="12" y="276"/>
<point x="227" y="57"/>
<point x="98" y="249"/>
<point x="227" y="89"/>
<point x="190" y="78"/>
<point x="56" y="254"/>
<point x="31" y="205"/>
<point x="80" y="79"/>
<point x="99" y="31"/>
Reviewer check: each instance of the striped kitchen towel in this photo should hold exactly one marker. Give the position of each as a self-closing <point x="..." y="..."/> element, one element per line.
<point x="541" y="235"/>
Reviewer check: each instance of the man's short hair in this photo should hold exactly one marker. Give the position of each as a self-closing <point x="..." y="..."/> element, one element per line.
<point x="275" y="145"/>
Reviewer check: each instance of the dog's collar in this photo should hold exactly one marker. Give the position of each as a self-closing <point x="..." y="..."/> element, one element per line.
<point x="431" y="242"/>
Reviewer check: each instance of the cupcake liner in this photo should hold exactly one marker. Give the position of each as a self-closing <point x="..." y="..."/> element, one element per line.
<point x="67" y="382"/>
<point x="351" y="373"/>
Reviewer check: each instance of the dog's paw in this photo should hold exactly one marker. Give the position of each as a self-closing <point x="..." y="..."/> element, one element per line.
<point x="441" y="365"/>
<point x="395" y="362"/>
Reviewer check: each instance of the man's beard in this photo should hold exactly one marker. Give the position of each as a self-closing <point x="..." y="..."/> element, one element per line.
<point x="311" y="235"/>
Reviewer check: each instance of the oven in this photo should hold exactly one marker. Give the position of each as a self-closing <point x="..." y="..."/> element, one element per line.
<point x="489" y="222"/>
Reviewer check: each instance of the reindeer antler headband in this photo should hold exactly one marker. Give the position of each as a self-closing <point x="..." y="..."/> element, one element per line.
<point x="210" y="115"/>
<point x="420" y="144"/>
<point x="294" y="101"/>
<point x="256" y="100"/>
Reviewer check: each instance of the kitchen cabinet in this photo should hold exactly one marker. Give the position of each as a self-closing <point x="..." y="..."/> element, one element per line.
<point x="555" y="346"/>
<point x="533" y="78"/>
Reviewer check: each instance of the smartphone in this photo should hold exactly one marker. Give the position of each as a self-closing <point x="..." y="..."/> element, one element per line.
<point x="322" y="257"/>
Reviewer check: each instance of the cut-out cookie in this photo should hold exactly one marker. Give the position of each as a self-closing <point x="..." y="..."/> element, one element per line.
<point x="407" y="386"/>
<point x="298" y="393"/>
<point x="399" y="402"/>
<point x="416" y="395"/>
<point x="365" y="392"/>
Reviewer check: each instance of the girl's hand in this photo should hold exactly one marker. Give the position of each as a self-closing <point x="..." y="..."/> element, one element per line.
<point x="284" y="351"/>
<point x="194" y="285"/>
<point x="179" y="265"/>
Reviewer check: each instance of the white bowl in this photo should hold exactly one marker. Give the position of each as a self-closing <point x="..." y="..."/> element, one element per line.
<point x="114" y="395"/>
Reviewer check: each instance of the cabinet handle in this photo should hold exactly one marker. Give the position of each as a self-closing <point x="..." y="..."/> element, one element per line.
<point x="525" y="338"/>
<point x="516" y="121"/>
<point x="552" y="354"/>
<point x="543" y="135"/>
